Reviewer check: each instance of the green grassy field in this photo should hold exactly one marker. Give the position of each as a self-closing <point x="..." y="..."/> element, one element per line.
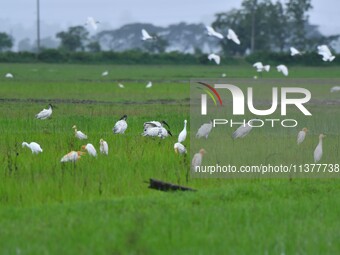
<point x="103" y="206"/>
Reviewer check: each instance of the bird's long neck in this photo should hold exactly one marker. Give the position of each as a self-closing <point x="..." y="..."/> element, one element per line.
<point x="185" y="125"/>
<point x="25" y="144"/>
<point x="320" y="141"/>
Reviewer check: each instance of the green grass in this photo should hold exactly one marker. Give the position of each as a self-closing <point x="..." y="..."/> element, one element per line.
<point x="103" y="205"/>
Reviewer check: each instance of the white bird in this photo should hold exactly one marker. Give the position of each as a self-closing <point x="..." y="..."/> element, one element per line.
<point x="183" y="134"/>
<point x="294" y="51"/>
<point x="9" y="75"/>
<point x="212" y="32"/>
<point x="121" y="85"/>
<point x="180" y="148"/>
<point x="153" y="123"/>
<point x="105" y="73"/>
<point x="80" y="135"/>
<point x="161" y="132"/>
<point x="301" y="135"/>
<point x="149" y="85"/>
<point x="35" y="148"/>
<point x="242" y="131"/>
<point x="215" y="57"/>
<point x="224" y="75"/>
<point x="204" y="130"/>
<point x="260" y="67"/>
<point x="145" y="35"/>
<point x="45" y="113"/>
<point x="92" y="22"/>
<point x="232" y="36"/>
<point x="72" y="156"/>
<point x="120" y="126"/>
<point x="104" y="148"/>
<point x="318" y="149"/>
<point x="90" y="149"/>
<point x="325" y="52"/>
<point x="197" y="159"/>
<point x="283" y="69"/>
<point x="335" y="89"/>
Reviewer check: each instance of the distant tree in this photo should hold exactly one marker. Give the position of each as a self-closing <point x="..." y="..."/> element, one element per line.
<point x="93" y="46"/>
<point x="6" y="41"/>
<point x="25" y="45"/>
<point x="74" y="39"/>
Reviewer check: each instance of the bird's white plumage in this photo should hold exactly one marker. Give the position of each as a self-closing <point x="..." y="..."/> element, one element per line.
<point x="160" y="132"/>
<point x="72" y="156"/>
<point x="45" y="113"/>
<point x="204" y="130"/>
<point x="9" y="75"/>
<point x="105" y="73"/>
<point x="197" y="159"/>
<point x="294" y="51"/>
<point x="121" y="85"/>
<point x="325" y="52"/>
<point x="260" y="67"/>
<point x="92" y="23"/>
<point x="211" y="32"/>
<point x="215" y="57"/>
<point x="146" y="35"/>
<point x="80" y="135"/>
<point x="104" y="147"/>
<point x="335" y="89"/>
<point x="149" y="85"/>
<point x="301" y="136"/>
<point x="232" y="36"/>
<point x="283" y="69"/>
<point x="242" y="131"/>
<point x="120" y="126"/>
<point x="318" y="150"/>
<point x="154" y="123"/>
<point x="180" y="148"/>
<point x="33" y="146"/>
<point x="90" y="149"/>
<point x="183" y="135"/>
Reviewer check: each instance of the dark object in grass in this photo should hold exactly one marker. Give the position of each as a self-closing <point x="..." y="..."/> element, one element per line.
<point x="165" y="186"/>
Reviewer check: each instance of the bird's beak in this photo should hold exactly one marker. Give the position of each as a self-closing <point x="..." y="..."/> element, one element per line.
<point x="169" y="132"/>
<point x="164" y="122"/>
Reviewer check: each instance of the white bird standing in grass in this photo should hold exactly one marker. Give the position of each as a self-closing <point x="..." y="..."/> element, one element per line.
<point x="104" y="148"/>
<point x="92" y="22"/>
<point x="204" y="130"/>
<point x="183" y="134"/>
<point x="318" y="149"/>
<point x="197" y="159"/>
<point x="161" y="132"/>
<point x="145" y="35"/>
<point x="9" y="75"/>
<point x="105" y="73"/>
<point x="215" y="57"/>
<point x="121" y="85"/>
<point x="335" y="89"/>
<point x="283" y="69"/>
<point x="325" y="52"/>
<point x="45" y="113"/>
<point x="212" y="32"/>
<point x="33" y="146"/>
<point x="301" y="135"/>
<point x="120" y="126"/>
<point x="260" y="67"/>
<point x="294" y="51"/>
<point x="232" y="36"/>
<point x="90" y="149"/>
<point x="149" y="85"/>
<point x="180" y="148"/>
<point x="242" y="131"/>
<point x="80" y="135"/>
<point x="72" y="156"/>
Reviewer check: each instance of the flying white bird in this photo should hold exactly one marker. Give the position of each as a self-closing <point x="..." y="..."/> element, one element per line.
<point x="35" y="148"/>
<point x="180" y="148"/>
<point x="105" y="73"/>
<point x="215" y="57"/>
<point x="92" y="22"/>
<point x="335" y="89"/>
<point x="283" y="69"/>
<point x="153" y="123"/>
<point x="197" y="159"/>
<point x="325" y="52"/>
<point x="45" y="113"/>
<point x="121" y="85"/>
<point x="145" y="35"/>
<point x="260" y="67"/>
<point x="80" y="135"/>
<point x="294" y="51"/>
<point x="120" y="126"/>
<point x="72" y="156"/>
<point x="232" y="36"/>
<point x="301" y="135"/>
<point x="204" y="130"/>
<point x="242" y="131"/>
<point x="90" y="149"/>
<point x="9" y="75"/>
<point x="183" y="134"/>
<point x="212" y="32"/>
<point x="104" y="148"/>
<point x="318" y="149"/>
<point x="149" y="85"/>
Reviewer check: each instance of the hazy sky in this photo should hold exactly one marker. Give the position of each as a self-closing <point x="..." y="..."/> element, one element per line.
<point x="18" y="17"/>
